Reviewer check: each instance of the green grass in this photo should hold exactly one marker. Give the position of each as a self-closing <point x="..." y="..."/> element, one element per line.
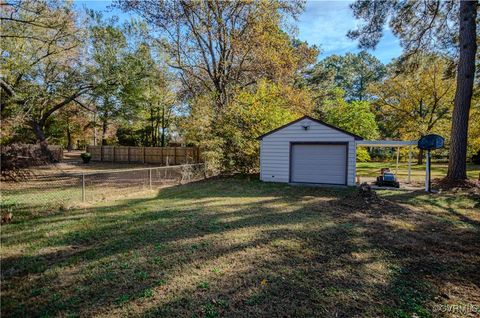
<point x="439" y="170"/>
<point x="41" y="198"/>
<point x="237" y="247"/>
<point x="30" y="200"/>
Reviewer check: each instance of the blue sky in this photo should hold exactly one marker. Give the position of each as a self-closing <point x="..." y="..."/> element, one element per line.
<point x="324" y="23"/>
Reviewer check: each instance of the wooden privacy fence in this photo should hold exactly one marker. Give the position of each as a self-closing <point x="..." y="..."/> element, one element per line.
<point x="159" y="155"/>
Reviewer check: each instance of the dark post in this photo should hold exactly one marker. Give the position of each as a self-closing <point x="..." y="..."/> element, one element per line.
<point x="429" y="172"/>
<point x="429" y="179"/>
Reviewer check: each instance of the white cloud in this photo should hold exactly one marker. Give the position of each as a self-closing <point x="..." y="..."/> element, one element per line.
<point x="327" y="23"/>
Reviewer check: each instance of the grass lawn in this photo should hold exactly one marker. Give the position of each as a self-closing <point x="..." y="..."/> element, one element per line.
<point x="237" y="247"/>
<point x="439" y="170"/>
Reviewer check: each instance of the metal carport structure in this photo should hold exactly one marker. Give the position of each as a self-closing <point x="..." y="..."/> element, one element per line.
<point x="392" y="144"/>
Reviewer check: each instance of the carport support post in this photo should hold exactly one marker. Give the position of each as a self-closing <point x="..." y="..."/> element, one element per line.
<point x="409" y="163"/>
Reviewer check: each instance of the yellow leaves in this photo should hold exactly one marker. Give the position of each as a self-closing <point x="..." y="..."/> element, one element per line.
<point x="273" y="54"/>
<point x="250" y="113"/>
<point x="474" y="129"/>
<point x="355" y="117"/>
<point x="418" y="102"/>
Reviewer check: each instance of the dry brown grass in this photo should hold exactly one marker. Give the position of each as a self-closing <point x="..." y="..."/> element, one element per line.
<point x="72" y="163"/>
<point x="240" y="248"/>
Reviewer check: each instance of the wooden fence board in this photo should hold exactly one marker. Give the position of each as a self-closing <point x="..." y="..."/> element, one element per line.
<point x="95" y="151"/>
<point x="136" y="154"/>
<point x="154" y="155"/>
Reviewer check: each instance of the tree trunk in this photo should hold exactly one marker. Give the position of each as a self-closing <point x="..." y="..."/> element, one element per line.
<point x="163" y="127"/>
<point x="152" y="132"/>
<point x="457" y="163"/>
<point x="95" y="129"/>
<point x="104" y="128"/>
<point x="420" y="157"/>
<point x="38" y="131"/>
<point x="69" y="139"/>
<point x="157" y="128"/>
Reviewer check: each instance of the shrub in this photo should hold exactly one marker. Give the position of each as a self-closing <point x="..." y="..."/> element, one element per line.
<point x="476" y="158"/>
<point x="86" y="157"/>
<point x="363" y="155"/>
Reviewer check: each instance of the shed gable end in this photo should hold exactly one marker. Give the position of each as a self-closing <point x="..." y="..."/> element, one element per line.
<point x="309" y="126"/>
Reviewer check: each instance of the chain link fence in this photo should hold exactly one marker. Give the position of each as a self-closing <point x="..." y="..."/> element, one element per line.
<point x="59" y="191"/>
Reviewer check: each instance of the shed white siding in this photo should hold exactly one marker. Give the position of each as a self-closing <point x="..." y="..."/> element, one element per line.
<point x="275" y="148"/>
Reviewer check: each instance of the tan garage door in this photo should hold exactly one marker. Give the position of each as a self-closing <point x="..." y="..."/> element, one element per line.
<point x="318" y="163"/>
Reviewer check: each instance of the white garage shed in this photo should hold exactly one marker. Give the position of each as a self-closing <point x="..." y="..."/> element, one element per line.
<point x="308" y="150"/>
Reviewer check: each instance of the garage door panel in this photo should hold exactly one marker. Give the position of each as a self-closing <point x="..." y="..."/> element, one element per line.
<point x="312" y="158"/>
<point x="318" y="163"/>
<point x="326" y="154"/>
<point x="310" y="172"/>
<point x="331" y="163"/>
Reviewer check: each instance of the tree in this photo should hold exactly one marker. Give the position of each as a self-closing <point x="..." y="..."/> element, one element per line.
<point x="416" y="102"/>
<point x="474" y="130"/>
<point x="450" y="26"/>
<point x="54" y="63"/>
<point x="251" y="113"/>
<point x="148" y="96"/>
<point x="353" y="73"/>
<point x="221" y="50"/>
<point x="107" y="68"/>
<point x="68" y="126"/>
<point x="153" y="98"/>
<point x="457" y="168"/>
<point x="355" y="117"/>
<point x="218" y="46"/>
<point x="40" y="56"/>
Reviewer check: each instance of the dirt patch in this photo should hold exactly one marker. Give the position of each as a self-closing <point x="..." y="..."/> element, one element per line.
<point x="365" y="199"/>
<point x="471" y="186"/>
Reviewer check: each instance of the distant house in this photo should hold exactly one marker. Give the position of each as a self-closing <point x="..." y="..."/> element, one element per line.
<point x="308" y="150"/>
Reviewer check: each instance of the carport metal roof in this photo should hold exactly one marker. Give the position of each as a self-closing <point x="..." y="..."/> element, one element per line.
<point x="385" y="143"/>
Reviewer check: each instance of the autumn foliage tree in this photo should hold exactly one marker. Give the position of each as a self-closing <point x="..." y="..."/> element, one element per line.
<point x="225" y="51"/>
<point x="352" y="73"/>
<point x="40" y="62"/>
<point x="416" y="102"/>
<point x="219" y="46"/>
<point x="438" y="26"/>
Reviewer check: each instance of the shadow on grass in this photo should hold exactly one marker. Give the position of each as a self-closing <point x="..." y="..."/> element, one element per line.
<point x="447" y="202"/>
<point x="235" y="247"/>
